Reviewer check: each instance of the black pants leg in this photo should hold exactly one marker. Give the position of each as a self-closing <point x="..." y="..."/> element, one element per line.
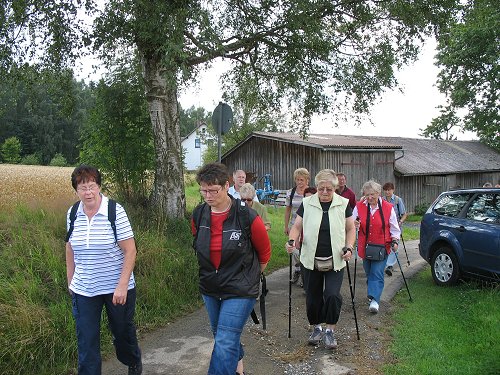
<point x="323" y="298"/>
<point x="121" y="324"/>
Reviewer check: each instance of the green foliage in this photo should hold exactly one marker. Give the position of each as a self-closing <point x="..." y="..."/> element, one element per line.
<point x="11" y="150"/>
<point x="117" y="137"/>
<point x="468" y="53"/>
<point x="421" y="208"/>
<point x="446" y="330"/>
<point x="44" y="109"/>
<point x="58" y="161"/>
<point x="31" y="159"/>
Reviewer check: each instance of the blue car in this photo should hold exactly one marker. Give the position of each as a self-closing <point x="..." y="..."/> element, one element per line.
<point x="460" y="235"/>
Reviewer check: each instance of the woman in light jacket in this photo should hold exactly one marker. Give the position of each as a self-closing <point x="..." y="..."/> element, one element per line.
<point x="325" y="219"/>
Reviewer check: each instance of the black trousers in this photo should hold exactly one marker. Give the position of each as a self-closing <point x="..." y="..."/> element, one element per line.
<point x="323" y="298"/>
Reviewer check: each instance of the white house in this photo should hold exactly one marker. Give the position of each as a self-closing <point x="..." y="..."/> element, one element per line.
<point x="194" y="148"/>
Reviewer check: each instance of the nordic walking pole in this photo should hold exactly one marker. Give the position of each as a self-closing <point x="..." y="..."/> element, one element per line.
<point x="404" y="278"/>
<point x="404" y="247"/>
<point x="352" y="295"/>
<point x="355" y="257"/>
<point x="290" y="242"/>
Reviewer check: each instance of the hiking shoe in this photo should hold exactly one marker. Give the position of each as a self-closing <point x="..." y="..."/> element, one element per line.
<point x="329" y="340"/>
<point x="295" y="277"/>
<point x="135" y="369"/>
<point x="373" y="306"/>
<point x="316" y="336"/>
<point x="388" y="271"/>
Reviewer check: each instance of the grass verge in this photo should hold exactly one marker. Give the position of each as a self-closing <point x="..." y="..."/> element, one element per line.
<point x="446" y="331"/>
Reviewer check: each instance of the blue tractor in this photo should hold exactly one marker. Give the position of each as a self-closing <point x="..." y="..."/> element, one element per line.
<point x="267" y="195"/>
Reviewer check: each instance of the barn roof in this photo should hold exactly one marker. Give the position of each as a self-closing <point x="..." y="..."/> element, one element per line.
<point x="414" y="156"/>
<point x="328" y="141"/>
<point x="435" y="156"/>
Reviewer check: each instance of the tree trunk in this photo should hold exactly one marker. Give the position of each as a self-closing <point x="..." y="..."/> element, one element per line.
<point x="168" y="199"/>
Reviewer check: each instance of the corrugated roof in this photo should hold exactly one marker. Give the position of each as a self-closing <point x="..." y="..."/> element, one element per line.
<point x="420" y="156"/>
<point x="329" y="140"/>
<point x="435" y="156"/>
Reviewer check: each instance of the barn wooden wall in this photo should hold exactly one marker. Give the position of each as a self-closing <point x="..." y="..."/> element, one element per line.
<point x="261" y="156"/>
<point x="280" y="159"/>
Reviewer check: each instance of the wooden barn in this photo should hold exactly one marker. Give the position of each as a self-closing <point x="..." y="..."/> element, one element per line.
<point x="420" y="168"/>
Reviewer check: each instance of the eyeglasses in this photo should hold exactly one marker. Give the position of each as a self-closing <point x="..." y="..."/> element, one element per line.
<point x="325" y="189"/>
<point x="247" y="199"/>
<point x="210" y="191"/>
<point x="84" y="189"/>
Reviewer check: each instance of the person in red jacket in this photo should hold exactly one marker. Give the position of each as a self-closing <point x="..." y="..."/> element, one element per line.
<point x="378" y="224"/>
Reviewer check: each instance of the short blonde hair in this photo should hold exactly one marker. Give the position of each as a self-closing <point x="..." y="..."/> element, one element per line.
<point x="301" y="172"/>
<point x="371" y="185"/>
<point x="247" y="191"/>
<point x="327" y="175"/>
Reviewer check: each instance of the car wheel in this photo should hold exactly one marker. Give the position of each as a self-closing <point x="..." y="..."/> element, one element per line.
<point x="444" y="265"/>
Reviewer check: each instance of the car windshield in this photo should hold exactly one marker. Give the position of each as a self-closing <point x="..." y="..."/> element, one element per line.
<point x="486" y="208"/>
<point x="451" y="204"/>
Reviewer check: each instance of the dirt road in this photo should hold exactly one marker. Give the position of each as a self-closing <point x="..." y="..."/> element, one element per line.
<point x="184" y="347"/>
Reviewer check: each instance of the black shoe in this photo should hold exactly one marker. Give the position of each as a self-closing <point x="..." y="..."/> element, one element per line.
<point x="388" y="271"/>
<point x="135" y="369"/>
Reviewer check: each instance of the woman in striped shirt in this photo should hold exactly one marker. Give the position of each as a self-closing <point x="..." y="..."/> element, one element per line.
<point x="99" y="267"/>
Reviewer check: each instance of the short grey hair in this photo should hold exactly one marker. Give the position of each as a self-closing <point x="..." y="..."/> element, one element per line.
<point x="327" y="175"/>
<point x="371" y="185"/>
<point x="247" y="190"/>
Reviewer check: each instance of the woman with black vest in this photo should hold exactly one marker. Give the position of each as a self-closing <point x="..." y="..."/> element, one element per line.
<point x="378" y="232"/>
<point x="233" y="248"/>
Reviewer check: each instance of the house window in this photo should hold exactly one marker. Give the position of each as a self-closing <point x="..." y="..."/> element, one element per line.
<point x="197" y="143"/>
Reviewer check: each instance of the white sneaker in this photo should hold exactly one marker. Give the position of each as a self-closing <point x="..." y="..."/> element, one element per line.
<point x="373" y="306"/>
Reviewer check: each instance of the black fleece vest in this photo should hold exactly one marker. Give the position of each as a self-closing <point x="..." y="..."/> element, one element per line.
<point x="239" y="270"/>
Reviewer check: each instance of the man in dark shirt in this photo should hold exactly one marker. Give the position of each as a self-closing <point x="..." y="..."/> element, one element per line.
<point x="344" y="191"/>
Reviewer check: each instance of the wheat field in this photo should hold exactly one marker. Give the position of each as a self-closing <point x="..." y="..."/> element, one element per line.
<point x="36" y="186"/>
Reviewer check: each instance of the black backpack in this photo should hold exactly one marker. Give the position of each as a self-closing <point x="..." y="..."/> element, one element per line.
<point x="111" y="218"/>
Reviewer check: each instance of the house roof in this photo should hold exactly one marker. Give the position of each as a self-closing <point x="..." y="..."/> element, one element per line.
<point x="192" y="131"/>
<point x="414" y="156"/>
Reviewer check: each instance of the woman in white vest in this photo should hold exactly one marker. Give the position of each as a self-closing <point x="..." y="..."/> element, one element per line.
<point x="325" y="219"/>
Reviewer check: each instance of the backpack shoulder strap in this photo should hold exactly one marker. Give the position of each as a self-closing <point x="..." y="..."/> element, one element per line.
<point x="72" y="218"/>
<point x="292" y="193"/>
<point x="196" y="220"/>
<point x="112" y="216"/>
<point x="243" y="218"/>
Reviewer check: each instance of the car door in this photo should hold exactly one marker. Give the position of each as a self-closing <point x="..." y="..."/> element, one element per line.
<point x="481" y="235"/>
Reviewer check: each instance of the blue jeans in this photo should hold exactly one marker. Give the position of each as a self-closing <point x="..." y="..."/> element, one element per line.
<point x="374" y="270"/>
<point x="391" y="259"/>
<point x="227" y="319"/>
<point x="87" y="312"/>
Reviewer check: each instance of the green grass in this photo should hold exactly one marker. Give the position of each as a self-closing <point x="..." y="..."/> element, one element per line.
<point x="446" y="330"/>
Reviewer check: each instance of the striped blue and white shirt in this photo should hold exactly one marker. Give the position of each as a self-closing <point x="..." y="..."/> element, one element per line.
<point x="98" y="258"/>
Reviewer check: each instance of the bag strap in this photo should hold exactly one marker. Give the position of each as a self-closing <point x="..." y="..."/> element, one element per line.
<point x="368" y="220"/>
<point x="72" y="218"/>
<point x="112" y="216"/>
<point x="292" y="193"/>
